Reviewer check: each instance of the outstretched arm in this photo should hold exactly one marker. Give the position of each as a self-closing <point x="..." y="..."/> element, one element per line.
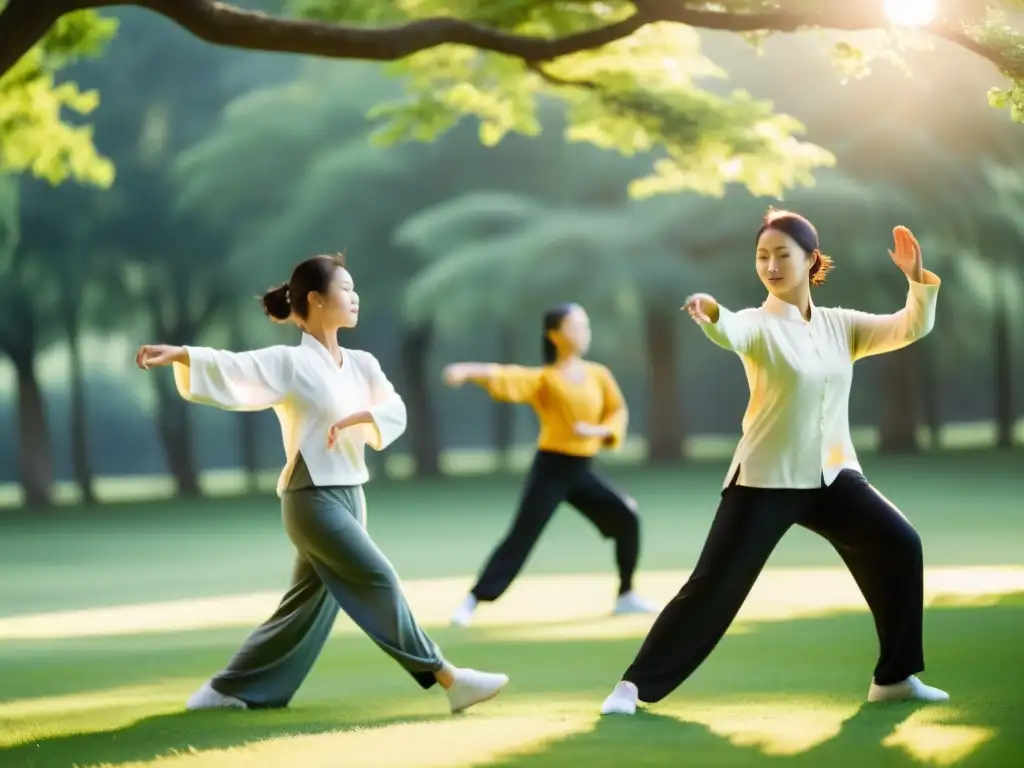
<point x="233" y="381"/>
<point x="508" y="383"/>
<point x="735" y="331"/>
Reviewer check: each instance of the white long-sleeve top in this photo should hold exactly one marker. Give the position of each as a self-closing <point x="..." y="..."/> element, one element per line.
<point x="309" y="392"/>
<point x="796" y="429"/>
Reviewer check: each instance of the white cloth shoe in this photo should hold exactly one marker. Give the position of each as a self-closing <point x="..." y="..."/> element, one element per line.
<point x="622" y="700"/>
<point x="464" y="613"/>
<point x="631" y="602"/>
<point x="911" y="688"/>
<point x="473" y="687"/>
<point x="207" y="698"/>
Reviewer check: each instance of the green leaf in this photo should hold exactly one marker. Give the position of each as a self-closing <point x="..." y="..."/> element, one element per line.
<point x="35" y="137"/>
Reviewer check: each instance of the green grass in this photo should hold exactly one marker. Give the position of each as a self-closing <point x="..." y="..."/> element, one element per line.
<point x="162" y="593"/>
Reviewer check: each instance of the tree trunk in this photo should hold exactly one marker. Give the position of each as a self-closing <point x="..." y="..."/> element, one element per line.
<point x="900" y="392"/>
<point x="426" y="446"/>
<point x="504" y="413"/>
<point x="1002" y="351"/>
<point x="931" y="397"/>
<point x="175" y="426"/>
<point x="248" y="438"/>
<point x="35" y="454"/>
<point x="665" y="431"/>
<point x="79" y="407"/>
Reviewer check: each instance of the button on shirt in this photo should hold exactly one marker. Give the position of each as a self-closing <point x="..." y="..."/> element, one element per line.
<point x="796" y="429"/>
<point x="309" y="392"/>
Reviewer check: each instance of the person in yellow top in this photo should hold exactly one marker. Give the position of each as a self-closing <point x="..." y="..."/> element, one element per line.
<point x="581" y="410"/>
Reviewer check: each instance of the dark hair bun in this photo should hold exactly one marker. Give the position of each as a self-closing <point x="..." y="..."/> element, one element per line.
<point x="276" y="303"/>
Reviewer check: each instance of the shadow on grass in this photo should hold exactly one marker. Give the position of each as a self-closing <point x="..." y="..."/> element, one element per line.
<point x="161" y="735"/>
<point x="664" y="740"/>
<point x="776" y="666"/>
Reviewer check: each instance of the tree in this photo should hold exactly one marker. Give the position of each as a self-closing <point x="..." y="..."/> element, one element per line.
<point x="996" y="281"/>
<point x="448" y="226"/>
<point x="33" y="136"/>
<point x="69" y="258"/>
<point x="130" y="237"/>
<point x="626" y="70"/>
<point x="523" y="30"/>
<point x="25" y="302"/>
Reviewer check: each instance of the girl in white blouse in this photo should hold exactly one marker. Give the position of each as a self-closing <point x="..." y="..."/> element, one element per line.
<point x="795" y="465"/>
<point x="331" y="402"/>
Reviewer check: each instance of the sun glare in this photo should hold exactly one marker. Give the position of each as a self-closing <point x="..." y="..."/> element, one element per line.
<point x="911" y="13"/>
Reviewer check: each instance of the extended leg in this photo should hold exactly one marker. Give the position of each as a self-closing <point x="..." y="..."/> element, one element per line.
<point x="275" y="659"/>
<point x="884" y="555"/>
<point x="326" y="525"/>
<point x="544" y="490"/>
<point x="614" y="515"/>
<point x="747" y="527"/>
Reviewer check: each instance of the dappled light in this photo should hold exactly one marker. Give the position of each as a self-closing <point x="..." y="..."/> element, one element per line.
<point x="541" y="608"/>
<point x="447" y="744"/>
<point x="783" y="726"/>
<point x="934" y="737"/>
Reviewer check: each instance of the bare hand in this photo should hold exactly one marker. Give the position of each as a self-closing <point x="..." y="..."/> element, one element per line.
<point x="583" y="429"/>
<point x="158" y="355"/>
<point x="361" y="417"/>
<point x="907" y="254"/>
<point x="455" y="375"/>
<point x="701" y="307"/>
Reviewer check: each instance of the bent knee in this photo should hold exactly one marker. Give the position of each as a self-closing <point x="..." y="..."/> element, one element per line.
<point x="909" y="547"/>
<point x="627" y="523"/>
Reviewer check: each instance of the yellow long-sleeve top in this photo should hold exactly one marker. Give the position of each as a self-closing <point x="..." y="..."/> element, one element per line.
<point x="561" y="402"/>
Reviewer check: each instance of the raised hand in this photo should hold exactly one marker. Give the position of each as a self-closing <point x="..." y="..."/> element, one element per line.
<point x="907" y="254"/>
<point x="702" y="307"/>
<point x="158" y="355"/>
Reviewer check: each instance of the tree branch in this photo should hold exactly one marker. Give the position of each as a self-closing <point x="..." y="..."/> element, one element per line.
<point x="228" y="25"/>
<point x="24" y="22"/>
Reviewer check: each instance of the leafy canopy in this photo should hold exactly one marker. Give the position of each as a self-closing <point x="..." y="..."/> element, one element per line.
<point x="34" y="135"/>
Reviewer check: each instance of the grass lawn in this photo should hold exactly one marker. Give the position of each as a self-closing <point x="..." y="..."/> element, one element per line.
<point x="110" y="617"/>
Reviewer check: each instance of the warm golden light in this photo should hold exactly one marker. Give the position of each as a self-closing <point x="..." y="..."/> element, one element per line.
<point x="911" y="13"/>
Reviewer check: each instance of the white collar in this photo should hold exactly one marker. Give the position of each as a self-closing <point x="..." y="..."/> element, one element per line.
<point x="785" y="310"/>
<point x="312" y="343"/>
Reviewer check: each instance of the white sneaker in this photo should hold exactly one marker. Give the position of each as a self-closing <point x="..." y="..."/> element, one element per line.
<point x="622" y="700"/>
<point x="464" y="613"/>
<point x="472" y="687"/>
<point x="631" y="602"/>
<point x="911" y="688"/>
<point x="207" y="698"/>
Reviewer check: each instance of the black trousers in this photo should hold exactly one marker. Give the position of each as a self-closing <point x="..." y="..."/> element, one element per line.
<point x="877" y="543"/>
<point x="554" y="478"/>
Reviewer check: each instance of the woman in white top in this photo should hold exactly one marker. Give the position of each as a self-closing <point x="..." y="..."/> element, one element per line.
<point x="795" y="465"/>
<point x="331" y="402"/>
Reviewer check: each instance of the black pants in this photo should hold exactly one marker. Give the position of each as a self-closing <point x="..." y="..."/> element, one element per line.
<point x="554" y="478"/>
<point x="878" y="545"/>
